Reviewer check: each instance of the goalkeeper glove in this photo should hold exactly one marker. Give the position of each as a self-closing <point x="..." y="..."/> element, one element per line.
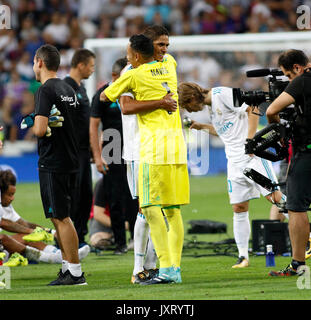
<point x="54" y="119"/>
<point x="28" y="121"/>
<point x="48" y="132"/>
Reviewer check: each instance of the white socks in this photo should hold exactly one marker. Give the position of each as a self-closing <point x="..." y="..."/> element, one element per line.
<point x="74" y="268"/>
<point x="141" y="232"/>
<point x="39" y="256"/>
<point x="241" y="231"/>
<point x="48" y="255"/>
<point x="151" y="256"/>
<point x="33" y="253"/>
<point x="50" y="249"/>
<point x="64" y="266"/>
<point x="55" y="255"/>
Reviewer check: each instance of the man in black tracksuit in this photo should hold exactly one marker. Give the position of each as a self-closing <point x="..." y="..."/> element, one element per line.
<point x="82" y="66"/>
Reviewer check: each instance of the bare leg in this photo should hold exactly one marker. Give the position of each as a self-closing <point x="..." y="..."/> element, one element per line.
<point x="38" y="245"/>
<point x="299" y="230"/>
<point x="68" y="239"/>
<point x="275" y="214"/>
<point x="11" y="245"/>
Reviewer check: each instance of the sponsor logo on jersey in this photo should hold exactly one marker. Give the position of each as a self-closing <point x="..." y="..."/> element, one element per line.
<point x="72" y="100"/>
<point x="216" y="91"/>
<point x="67" y="98"/>
<point x="225" y="128"/>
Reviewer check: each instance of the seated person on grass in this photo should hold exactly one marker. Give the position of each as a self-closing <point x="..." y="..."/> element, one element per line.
<point x="101" y="235"/>
<point x="8" y="189"/>
<point x="100" y="231"/>
<point x="16" y="244"/>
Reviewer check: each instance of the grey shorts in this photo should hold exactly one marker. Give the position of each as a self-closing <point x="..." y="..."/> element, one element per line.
<point x="95" y="226"/>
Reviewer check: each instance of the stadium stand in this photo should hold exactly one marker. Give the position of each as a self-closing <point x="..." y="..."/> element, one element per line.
<point x="67" y="23"/>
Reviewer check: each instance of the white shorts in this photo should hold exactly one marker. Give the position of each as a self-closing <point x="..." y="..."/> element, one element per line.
<point x="132" y="169"/>
<point x="241" y="188"/>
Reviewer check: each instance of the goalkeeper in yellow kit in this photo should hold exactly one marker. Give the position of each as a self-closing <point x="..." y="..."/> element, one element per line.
<point x="163" y="174"/>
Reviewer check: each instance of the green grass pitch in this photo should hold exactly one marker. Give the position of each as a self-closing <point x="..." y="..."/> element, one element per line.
<point x="204" y="278"/>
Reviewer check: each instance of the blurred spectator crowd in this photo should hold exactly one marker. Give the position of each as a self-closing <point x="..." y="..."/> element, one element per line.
<point x="67" y="23"/>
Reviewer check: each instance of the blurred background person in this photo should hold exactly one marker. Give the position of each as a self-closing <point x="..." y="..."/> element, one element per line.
<point x="82" y="66"/>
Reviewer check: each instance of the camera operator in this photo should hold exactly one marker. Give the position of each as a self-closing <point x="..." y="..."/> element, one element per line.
<point x="296" y="66"/>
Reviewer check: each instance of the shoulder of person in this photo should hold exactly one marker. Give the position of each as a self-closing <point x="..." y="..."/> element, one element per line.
<point x="126" y="68"/>
<point x="221" y="90"/>
<point x="71" y="82"/>
<point x="296" y="82"/>
<point x="98" y="92"/>
<point x="102" y="88"/>
<point x="49" y="87"/>
<point x="67" y="87"/>
<point x="168" y="57"/>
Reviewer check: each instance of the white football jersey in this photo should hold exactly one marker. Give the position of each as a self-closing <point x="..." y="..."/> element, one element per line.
<point x="131" y="137"/>
<point x="10" y="214"/>
<point x="230" y="123"/>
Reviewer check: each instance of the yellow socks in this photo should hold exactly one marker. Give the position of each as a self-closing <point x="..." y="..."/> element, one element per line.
<point x="167" y="233"/>
<point x="175" y="234"/>
<point x="159" y="234"/>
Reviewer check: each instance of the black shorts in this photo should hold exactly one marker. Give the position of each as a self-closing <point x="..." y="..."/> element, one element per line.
<point x="100" y="196"/>
<point x="58" y="192"/>
<point x="298" y="189"/>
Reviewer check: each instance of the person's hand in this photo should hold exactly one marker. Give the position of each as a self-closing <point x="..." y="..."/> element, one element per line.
<point x="28" y="121"/>
<point x="48" y="132"/>
<point x="101" y="165"/>
<point x="55" y="119"/>
<point x="195" y="125"/>
<point x="103" y="97"/>
<point x="168" y="103"/>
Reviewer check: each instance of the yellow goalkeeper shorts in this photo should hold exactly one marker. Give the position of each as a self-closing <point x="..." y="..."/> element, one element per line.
<point x="163" y="185"/>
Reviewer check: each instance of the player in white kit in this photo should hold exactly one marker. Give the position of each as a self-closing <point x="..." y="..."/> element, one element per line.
<point x="233" y="124"/>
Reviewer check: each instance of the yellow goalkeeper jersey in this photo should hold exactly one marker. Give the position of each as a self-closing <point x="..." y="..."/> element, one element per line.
<point x="161" y="137"/>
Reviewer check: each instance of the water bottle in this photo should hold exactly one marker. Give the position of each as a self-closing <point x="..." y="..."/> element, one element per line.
<point x="1" y="250"/>
<point x="270" y="262"/>
<point x="187" y="122"/>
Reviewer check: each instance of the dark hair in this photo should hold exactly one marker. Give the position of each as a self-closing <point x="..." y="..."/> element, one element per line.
<point x="155" y="31"/>
<point x="81" y="55"/>
<point x="7" y="178"/>
<point x="290" y="57"/>
<point x="50" y="56"/>
<point x="142" y="45"/>
<point x="119" y="65"/>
